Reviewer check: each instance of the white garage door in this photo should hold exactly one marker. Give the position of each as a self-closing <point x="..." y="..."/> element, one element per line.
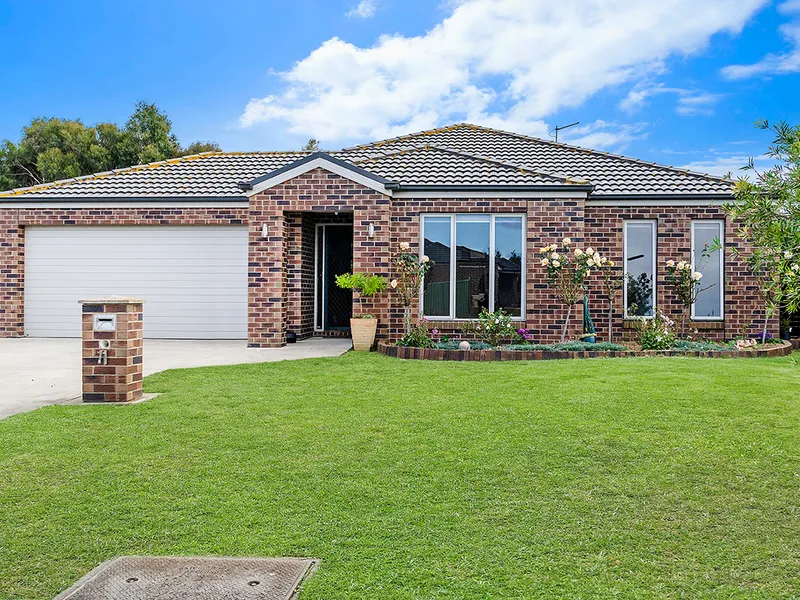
<point x="193" y="279"/>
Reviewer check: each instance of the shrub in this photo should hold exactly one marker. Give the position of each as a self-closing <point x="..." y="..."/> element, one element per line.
<point x="701" y="346"/>
<point x="657" y="332"/>
<point x="493" y="328"/>
<point x="417" y="337"/>
<point x="568" y="347"/>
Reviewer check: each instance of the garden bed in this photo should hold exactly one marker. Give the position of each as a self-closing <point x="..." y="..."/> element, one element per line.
<point x="782" y="349"/>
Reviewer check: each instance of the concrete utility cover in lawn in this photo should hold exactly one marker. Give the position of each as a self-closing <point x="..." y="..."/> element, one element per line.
<point x="198" y="578"/>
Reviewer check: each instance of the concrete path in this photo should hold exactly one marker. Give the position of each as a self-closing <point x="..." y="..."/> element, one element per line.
<point x="36" y="372"/>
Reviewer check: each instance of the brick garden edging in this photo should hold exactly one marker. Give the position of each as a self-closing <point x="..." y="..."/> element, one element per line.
<point x="491" y="355"/>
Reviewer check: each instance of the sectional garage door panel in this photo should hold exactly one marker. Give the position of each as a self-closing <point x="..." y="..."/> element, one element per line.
<point x="193" y="279"/>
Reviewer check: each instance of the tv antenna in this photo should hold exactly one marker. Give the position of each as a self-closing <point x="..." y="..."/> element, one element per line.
<point x="559" y="128"/>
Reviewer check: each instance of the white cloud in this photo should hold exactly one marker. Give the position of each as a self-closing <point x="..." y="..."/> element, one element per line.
<point x="690" y="102"/>
<point x="505" y="63"/>
<point x="775" y="64"/>
<point x="364" y="10"/>
<point x="722" y="164"/>
<point x="603" y="135"/>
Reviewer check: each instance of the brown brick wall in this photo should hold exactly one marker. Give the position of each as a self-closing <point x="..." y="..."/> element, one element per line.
<point x="12" y="241"/>
<point x="548" y="220"/>
<point x="118" y="377"/>
<point x="281" y="267"/>
<point x="276" y="263"/>
<point x="301" y="256"/>
<point x="744" y="311"/>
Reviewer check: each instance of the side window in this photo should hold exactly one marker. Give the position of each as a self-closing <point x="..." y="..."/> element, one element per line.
<point x="640" y="268"/>
<point x="710" y="298"/>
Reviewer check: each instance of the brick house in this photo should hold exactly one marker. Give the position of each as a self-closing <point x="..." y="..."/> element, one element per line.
<point x="246" y="245"/>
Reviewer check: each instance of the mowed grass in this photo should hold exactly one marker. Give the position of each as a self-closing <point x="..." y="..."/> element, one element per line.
<point x="627" y="478"/>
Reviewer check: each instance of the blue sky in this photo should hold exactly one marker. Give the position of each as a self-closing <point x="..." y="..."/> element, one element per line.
<point x="679" y="81"/>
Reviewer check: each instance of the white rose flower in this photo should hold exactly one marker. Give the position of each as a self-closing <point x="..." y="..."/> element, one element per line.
<point x="545" y="262"/>
<point x="554" y="256"/>
<point x="590" y="250"/>
<point x="681" y="264"/>
<point x="578" y="251"/>
<point x="697" y="275"/>
<point x="393" y="283"/>
<point x="425" y="258"/>
<point x="590" y="262"/>
<point x="795" y="267"/>
<point x="788" y="254"/>
<point x="566" y="241"/>
<point x="670" y="263"/>
<point x="404" y="246"/>
<point x="597" y="258"/>
<point x="556" y="263"/>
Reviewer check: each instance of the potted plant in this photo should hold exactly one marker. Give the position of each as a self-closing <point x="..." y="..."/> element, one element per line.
<point x="362" y="325"/>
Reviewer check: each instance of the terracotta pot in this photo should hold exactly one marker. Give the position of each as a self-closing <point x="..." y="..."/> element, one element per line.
<point x="363" y="333"/>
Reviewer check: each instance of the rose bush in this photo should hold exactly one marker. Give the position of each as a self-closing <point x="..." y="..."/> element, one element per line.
<point x="685" y="284"/>
<point x="411" y="269"/>
<point x="568" y="268"/>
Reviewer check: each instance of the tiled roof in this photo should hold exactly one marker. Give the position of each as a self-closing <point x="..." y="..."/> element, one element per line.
<point x="610" y="173"/>
<point x="462" y="154"/>
<point x="207" y="175"/>
<point x="429" y="165"/>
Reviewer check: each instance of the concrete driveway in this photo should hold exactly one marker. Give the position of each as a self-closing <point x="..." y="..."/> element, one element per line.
<point x="36" y="372"/>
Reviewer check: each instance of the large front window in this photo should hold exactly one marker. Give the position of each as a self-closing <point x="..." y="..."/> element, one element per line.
<point x="640" y="268"/>
<point x="479" y="262"/>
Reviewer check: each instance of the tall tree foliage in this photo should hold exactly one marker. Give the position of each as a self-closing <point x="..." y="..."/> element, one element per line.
<point x="54" y="148"/>
<point x="767" y="211"/>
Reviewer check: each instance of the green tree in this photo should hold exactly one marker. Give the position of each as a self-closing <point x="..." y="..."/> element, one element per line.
<point x="54" y="148"/>
<point x="766" y="209"/>
<point x="200" y="147"/>
<point x="149" y="136"/>
<point x="311" y="145"/>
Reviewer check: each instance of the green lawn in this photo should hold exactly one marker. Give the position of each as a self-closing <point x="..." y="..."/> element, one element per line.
<point x="630" y="478"/>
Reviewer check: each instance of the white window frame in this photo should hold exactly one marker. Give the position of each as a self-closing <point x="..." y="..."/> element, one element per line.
<point x="721" y="253"/>
<point x="492" y="219"/>
<point x="653" y="223"/>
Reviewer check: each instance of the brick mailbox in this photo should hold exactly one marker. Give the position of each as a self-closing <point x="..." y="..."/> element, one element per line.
<point x="111" y="352"/>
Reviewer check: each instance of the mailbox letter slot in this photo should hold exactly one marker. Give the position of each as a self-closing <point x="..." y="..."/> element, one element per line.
<point x="105" y="322"/>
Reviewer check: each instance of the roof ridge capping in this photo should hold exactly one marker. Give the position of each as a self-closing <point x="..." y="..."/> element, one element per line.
<point x="434" y="147"/>
<point x="465" y="125"/>
<point x="597" y="152"/>
<point x="249" y="185"/>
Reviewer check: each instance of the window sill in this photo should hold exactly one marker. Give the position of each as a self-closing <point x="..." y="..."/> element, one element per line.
<point x="706" y="325"/>
<point x="699" y="325"/>
<point x="439" y="322"/>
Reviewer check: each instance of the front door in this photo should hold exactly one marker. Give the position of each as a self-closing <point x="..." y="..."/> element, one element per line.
<point x="334" y="257"/>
